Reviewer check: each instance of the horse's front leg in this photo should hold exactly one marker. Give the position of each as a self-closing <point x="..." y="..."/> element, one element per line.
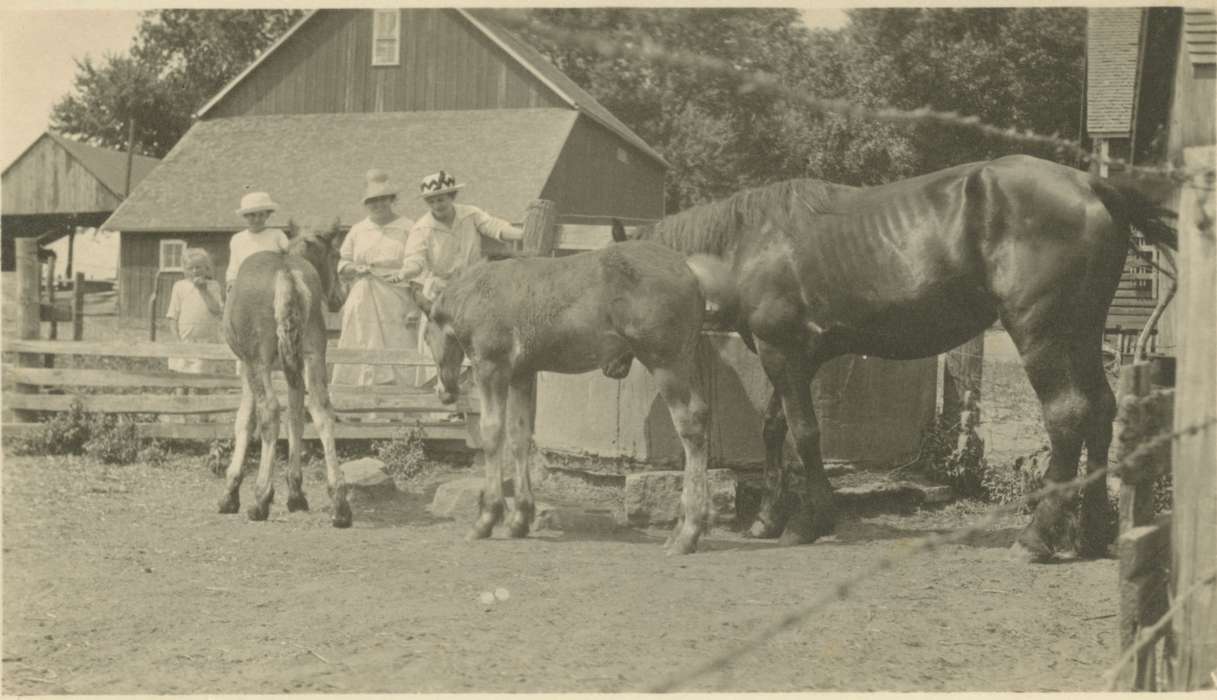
<point x="519" y="436"/>
<point x="230" y="502"/>
<point x="791" y="372"/>
<point x="492" y="382"/>
<point x="318" y="400"/>
<point x="689" y="415"/>
<point x="295" y="440"/>
<point x="771" y="517"/>
<point x="268" y="426"/>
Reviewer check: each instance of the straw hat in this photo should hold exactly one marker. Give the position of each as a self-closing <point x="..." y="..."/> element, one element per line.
<point x="256" y="201"/>
<point x="378" y="185"/>
<point x="438" y="183"/>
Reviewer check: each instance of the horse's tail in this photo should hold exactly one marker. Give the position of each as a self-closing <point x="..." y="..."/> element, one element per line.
<point x="292" y="303"/>
<point x="717" y="283"/>
<point x="1145" y="214"/>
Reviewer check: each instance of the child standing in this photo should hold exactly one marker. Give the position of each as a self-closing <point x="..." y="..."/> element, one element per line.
<point x="195" y="309"/>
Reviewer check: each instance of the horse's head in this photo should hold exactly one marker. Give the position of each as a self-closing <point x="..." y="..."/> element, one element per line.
<point x="319" y="246"/>
<point x="445" y="347"/>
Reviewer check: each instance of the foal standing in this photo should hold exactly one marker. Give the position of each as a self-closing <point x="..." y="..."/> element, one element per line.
<point x="274" y="320"/>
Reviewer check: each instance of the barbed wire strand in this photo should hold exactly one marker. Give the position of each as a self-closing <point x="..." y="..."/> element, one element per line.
<point x="842" y="589"/>
<point x="1151" y="634"/>
<point x="760" y="81"/>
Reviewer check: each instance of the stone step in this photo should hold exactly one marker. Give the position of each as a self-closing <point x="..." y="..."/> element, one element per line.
<point x="568" y="501"/>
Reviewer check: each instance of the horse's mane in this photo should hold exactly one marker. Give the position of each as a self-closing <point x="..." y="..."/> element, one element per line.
<point x="715" y="227"/>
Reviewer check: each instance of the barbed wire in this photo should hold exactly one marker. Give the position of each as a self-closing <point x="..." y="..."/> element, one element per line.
<point x="844" y="588"/>
<point x="764" y="82"/>
<point x="1151" y="634"/>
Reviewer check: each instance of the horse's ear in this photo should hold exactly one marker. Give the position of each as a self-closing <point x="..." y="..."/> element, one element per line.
<point x="420" y="299"/>
<point x="618" y="231"/>
<point x="291" y="229"/>
<point x="329" y="235"/>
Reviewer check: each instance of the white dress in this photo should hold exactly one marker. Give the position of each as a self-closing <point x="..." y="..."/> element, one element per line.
<point x="245" y="244"/>
<point x="376" y="314"/>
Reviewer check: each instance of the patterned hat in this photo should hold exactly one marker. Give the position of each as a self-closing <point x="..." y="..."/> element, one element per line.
<point x="438" y="183"/>
<point x="256" y="201"/>
<point x="378" y="185"/>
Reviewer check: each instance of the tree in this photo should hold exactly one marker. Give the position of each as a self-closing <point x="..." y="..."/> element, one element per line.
<point x="178" y="60"/>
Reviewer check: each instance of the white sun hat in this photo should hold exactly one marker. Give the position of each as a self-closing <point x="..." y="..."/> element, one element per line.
<point x="256" y="201"/>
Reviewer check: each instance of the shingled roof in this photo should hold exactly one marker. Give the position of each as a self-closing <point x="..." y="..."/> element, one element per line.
<point x="108" y="166"/>
<point x="313" y="165"/>
<point x="1200" y="35"/>
<point x="1113" y="37"/>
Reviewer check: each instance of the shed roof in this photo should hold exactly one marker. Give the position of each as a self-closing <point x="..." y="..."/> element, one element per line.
<point x="107" y="165"/>
<point x="1200" y="35"/>
<point x="313" y="165"/>
<point x="528" y="58"/>
<point x="1113" y="37"/>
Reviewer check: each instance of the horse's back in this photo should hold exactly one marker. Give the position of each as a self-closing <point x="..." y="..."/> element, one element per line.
<point x="250" y="323"/>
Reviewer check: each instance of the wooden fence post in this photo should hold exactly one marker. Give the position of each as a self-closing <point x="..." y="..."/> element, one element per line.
<point x="962" y="370"/>
<point x="53" y="330"/>
<point x="78" y="306"/>
<point x="1195" y="456"/>
<point x="29" y="313"/>
<point x="540" y="228"/>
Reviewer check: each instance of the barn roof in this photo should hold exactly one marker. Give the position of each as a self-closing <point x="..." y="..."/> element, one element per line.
<point x="528" y="58"/>
<point x="1200" y="35"/>
<point x="108" y="166"/>
<point x="313" y="165"/>
<point x="1113" y="37"/>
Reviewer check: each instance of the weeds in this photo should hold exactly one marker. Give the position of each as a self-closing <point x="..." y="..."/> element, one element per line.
<point x="404" y="457"/>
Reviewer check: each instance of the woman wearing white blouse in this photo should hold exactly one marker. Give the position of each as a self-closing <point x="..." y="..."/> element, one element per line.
<point x="376" y="313"/>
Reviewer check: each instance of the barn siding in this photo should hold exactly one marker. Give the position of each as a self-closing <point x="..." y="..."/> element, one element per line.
<point x="139" y="260"/>
<point x="1193" y="118"/>
<point x="612" y="187"/>
<point x="445" y="64"/>
<point x="47" y="179"/>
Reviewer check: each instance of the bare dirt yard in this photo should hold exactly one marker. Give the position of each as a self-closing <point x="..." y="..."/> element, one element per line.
<point x="123" y="579"/>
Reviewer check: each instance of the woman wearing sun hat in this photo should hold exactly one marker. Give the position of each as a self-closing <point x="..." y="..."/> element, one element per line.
<point x="256" y="208"/>
<point x="376" y="313"/>
<point x="449" y="236"/>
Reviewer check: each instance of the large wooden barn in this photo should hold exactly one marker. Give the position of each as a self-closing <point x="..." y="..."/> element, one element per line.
<point x="57" y="186"/>
<point x="1150" y="94"/>
<point x="409" y="91"/>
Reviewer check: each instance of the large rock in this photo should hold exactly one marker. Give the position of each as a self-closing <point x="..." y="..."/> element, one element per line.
<point x="653" y="498"/>
<point x="459" y="498"/>
<point x="368" y="477"/>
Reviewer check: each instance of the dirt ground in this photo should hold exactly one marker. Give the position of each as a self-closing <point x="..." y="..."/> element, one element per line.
<point x="125" y="580"/>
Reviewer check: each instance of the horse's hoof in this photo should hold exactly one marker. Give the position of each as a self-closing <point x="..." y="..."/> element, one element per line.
<point x="258" y="513"/>
<point x="479" y="531"/>
<point x="682" y="544"/>
<point x="297" y="503"/>
<point x="1030" y="547"/>
<point x="518" y="528"/>
<point x="230" y="504"/>
<point x="762" y="530"/>
<point x="342" y="516"/>
<point x="794" y="536"/>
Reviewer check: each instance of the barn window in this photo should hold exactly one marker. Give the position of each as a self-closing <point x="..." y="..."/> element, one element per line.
<point x="171" y="255"/>
<point x="386" y="37"/>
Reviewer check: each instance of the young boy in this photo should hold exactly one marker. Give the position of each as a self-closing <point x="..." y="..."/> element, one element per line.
<point x="195" y="309"/>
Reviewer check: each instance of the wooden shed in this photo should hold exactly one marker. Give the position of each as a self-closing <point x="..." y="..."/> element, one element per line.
<point x="409" y="91"/>
<point x="58" y="185"/>
<point x="1150" y="77"/>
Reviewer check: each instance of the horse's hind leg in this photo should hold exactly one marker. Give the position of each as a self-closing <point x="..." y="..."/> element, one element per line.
<point x="492" y="382"/>
<point x="771" y="517"/>
<point x="268" y="426"/>
<point x="519" y="437"/>
<point x="791" y="374"/>
<point x="295" y="439"/>
<point x="690" y="416"/>
<point x="230" y="502"/>
<point x="1078" y="408"/>
<point x="318" y="400"/>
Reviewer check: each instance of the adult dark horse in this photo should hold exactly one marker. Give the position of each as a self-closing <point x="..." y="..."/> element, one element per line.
<point x="273" y="320"/>
<point x="912" y="269"/>
<point x="594" y="310"/>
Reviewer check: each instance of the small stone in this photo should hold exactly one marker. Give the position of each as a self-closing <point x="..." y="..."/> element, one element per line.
<point x="486" y="598"/>
<point x="653" y="498"/>
<point x="501" y="594"/>
<point x="368" y="476"/>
